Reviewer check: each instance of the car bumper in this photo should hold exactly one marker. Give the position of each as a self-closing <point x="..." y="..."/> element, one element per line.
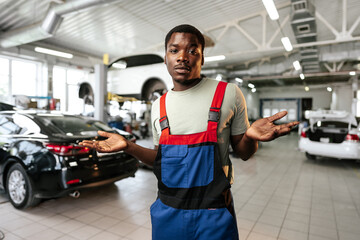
<point x="51" y="185"/>
<point x="344" y="150"/>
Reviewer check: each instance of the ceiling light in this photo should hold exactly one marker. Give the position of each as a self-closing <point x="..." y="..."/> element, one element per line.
<point x="271" y="9"/>
<point x="239" y="80"/>
<point x="296" y="65"/>
<point x="214" y="58"/>
<point x="53" y="52"/>
<point x="287" y="44"/>
<point x="329" y="89"/>
<point x="250" y="85"/>
<point x="218" y="77"/>
<point x="307" y="88"/>
<point x="302" y="76"/>
<point x="352" y="73"/>
<point x="253" y="90"/>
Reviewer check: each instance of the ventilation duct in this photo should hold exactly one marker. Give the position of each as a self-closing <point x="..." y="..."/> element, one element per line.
<point x="304" y="27"/>
<point x="48" y="27"/>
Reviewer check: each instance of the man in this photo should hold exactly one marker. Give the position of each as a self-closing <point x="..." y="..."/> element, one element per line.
<point x="193" y="125"/>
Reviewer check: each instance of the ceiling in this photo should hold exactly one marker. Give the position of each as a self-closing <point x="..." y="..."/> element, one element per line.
<point x="240" y="30"/>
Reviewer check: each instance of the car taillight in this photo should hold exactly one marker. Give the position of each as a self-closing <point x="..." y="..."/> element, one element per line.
<point x="73" y="181"/>
<point x="352" y="138"/>
<point x="67" y="150"/>
<point x="303" y="134"/>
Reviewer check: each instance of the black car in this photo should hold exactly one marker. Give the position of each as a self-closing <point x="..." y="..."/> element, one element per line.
<point x="40" y="156"/>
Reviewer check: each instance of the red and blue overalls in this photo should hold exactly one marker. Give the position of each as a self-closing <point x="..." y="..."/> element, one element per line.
<point x="194" y="199"/>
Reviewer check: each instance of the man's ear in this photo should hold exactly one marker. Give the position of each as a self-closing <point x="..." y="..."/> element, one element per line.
<point x="202" y="59"/>
<point x="165" y="59"/>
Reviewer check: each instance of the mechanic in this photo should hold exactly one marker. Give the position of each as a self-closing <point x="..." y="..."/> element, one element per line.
<point x="193" y="125"/>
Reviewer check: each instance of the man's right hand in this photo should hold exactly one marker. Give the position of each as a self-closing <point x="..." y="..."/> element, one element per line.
<point x="113" y="143"/>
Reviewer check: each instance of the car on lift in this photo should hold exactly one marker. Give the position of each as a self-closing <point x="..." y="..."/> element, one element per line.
<point x="40" y="156"/>
<point x="331" y="134"/>
<point x="143" y="77"/>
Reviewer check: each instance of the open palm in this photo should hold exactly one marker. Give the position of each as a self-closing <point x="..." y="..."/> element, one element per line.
<point x="113" y="143"/>
<point x="265" y="130"/>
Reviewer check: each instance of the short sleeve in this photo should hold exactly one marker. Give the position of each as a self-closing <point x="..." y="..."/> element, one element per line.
<point x="240" y="122"/>
<point x="155" y="125"/>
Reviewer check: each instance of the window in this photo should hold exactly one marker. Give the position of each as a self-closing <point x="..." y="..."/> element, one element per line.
<point x="7" y="126"/>
<point x="4" y="80"/>
<point x="65" y="88"/>
<point x="24" y="78"/>
<point x="27" y="125"/>
<point x="20" y="77"/>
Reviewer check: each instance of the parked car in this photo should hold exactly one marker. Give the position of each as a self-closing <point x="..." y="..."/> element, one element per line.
<point x="333" y="134"/>
<point x="6" y="106"/>
<point x="143" y="76"/>
<point x="40" y="156"/>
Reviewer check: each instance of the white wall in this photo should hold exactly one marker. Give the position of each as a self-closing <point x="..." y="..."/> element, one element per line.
<point x="321" y="97"/>
<point x="342" y="98"/>
<point x="252" y="102"/>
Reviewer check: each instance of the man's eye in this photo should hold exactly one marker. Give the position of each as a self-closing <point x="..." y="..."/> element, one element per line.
<point x="173" y="50"/>
<point x="192" y="51"/>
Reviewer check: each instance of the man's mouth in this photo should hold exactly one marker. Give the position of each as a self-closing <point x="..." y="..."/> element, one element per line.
<point x="182" y="69"/>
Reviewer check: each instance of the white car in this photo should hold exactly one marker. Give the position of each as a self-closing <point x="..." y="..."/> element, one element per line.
<point x="144" y="77"/>
<point x="333" y="134"/>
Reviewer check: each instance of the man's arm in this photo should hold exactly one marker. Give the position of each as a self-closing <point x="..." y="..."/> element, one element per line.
<point x="146" y="155"/>
<point x="116" y="142"/>
<point x="245" y="145"/>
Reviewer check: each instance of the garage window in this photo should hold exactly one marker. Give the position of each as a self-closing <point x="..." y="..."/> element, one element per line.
<point x="4" y="79"/>
<point x="66" y="88"/>
<point x="19" y="77"/>
<point x="24" y="78"/>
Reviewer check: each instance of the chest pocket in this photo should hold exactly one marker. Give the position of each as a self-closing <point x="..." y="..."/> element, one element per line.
<point x="185" y="167"/>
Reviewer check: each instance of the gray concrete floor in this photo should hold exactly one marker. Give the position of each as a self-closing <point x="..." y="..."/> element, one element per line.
<point x="278" y="193"/>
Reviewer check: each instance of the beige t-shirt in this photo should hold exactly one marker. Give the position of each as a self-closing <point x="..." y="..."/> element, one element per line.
<point x="188" y="110"/>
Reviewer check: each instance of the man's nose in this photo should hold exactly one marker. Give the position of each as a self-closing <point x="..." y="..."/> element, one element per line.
<point x="182" y="57"/>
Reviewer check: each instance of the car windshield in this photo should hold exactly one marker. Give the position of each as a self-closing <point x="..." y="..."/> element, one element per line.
<point x="69" y="125"/>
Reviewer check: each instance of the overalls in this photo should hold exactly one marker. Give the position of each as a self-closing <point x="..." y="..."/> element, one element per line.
<point x="194" y="199"/>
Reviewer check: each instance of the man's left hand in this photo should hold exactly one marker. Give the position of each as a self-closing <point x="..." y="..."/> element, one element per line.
<point x="265" y="130"/>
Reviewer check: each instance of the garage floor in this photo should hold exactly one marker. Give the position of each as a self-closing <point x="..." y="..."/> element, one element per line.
<point x="279" y="194"/>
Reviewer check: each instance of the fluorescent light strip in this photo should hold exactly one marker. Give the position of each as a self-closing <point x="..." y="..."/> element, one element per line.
<point x="53" y="52"/>
<point x="302" y="76"/>
<point x="250" y="85"/>
<point x="287" y="44"/>
<point x="352" y="73"/>
<point x="296" y="65"/>
<point x="214" y="58"/>
<point x="271" y="9"/>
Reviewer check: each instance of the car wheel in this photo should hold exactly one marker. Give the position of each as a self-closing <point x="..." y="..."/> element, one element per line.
<point x="153" y="90"/>
<point x="19" y="188"/>
<point x="310" y="156"/>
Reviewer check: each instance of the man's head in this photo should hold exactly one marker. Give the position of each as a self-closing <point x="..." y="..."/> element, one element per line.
<point x="186" y="28"/>
<point x="184" y="57"/>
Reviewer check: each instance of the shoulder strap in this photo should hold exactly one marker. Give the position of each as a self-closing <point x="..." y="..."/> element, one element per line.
<point x="214" y="113"/>
<point x="164" y="123"/>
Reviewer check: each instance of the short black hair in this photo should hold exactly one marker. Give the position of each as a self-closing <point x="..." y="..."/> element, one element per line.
<point x="186" y="28"/>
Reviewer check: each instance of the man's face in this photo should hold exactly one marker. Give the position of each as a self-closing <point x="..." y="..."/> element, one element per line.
<point x="184" y="58"/>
